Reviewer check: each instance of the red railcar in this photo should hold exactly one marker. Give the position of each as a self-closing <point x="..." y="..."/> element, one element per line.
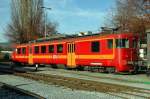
<point x="112" y="52"/>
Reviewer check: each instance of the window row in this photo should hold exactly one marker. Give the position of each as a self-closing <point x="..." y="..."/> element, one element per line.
<point x="120" y="43"/>
<point x="21" y="50"/>
<point x="95" y="46"/>
<point x="50" y="49"/>
<point x="43" y="49"/>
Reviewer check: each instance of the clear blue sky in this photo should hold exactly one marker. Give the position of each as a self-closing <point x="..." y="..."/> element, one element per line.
<point x="71" y="15"/>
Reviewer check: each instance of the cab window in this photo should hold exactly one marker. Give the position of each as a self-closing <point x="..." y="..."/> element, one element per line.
<point x="122" y="43"/>
<point x="134" y="43"/>
<point x="18" y="50"/>
<point x="110" y="43"/>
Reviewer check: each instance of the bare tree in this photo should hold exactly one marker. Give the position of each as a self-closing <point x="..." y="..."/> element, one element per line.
<point x="51" y="28"/>
<point x="129" y="15"/>
<point x="27" y="21"/>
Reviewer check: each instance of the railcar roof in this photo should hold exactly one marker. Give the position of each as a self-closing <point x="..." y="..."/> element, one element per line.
<point x="69" y="37"/>
<point x="75" y="36"/>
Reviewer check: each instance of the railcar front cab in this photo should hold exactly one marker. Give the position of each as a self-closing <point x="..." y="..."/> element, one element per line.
<point x="126" y="53"/>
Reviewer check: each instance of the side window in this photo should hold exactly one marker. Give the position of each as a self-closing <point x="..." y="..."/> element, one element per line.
<point x="24" y="50"/>
<point x="59" y="48"/>
<point x="18" y="50"/>
<point x="126" y="43"/>
<point x="36" y="49"/>
<point x="43" y="49"/>
<point x="51" y="49"/>
<point x="118" y="43"/>
<point x="122" y="43"/>
<point x="110" y="43"/>
<point x="95" y="46"/>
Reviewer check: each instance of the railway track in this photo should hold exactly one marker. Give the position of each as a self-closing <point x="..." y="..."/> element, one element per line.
<point x="123" y="92"/>
<point x="84" y="74"/>
<point x="119" y="91"/>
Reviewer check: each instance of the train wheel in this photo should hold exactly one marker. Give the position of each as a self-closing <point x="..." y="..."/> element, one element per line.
<point x="12" y="65"/>
<point x="65" y="67"/>
<point x="54" y="66"/>
<point x="104" y="70"/>
<point x="17" y="63"/>
<point x="148" y="72"/>
<point x="80" y="68"/>
<point x="135" y="71"/>
<point x="110" y="70"/>
<point x="68" y="68"/>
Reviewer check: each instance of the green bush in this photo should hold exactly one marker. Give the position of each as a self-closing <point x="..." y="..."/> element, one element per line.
<point x="6" y="56"/>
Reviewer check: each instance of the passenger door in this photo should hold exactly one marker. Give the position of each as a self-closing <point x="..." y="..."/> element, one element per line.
<point x="71" y="60"/>
<point x="30" y="57"/>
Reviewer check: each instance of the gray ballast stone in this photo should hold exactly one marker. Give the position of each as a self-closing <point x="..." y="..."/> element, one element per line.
<point x="97" y="78"/>
<point x="51" y="91"/>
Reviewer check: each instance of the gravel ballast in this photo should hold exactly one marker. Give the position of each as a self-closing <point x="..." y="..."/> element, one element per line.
<point x="52" y="91"/>
<point x="65" y="84"/>
<point x="128" y="80"/>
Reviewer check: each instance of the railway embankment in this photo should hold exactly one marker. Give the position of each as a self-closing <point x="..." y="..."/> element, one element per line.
<point x="11" y="92"/>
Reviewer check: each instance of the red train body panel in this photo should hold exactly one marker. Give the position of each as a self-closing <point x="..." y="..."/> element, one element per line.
<point x="110" y="50"/>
